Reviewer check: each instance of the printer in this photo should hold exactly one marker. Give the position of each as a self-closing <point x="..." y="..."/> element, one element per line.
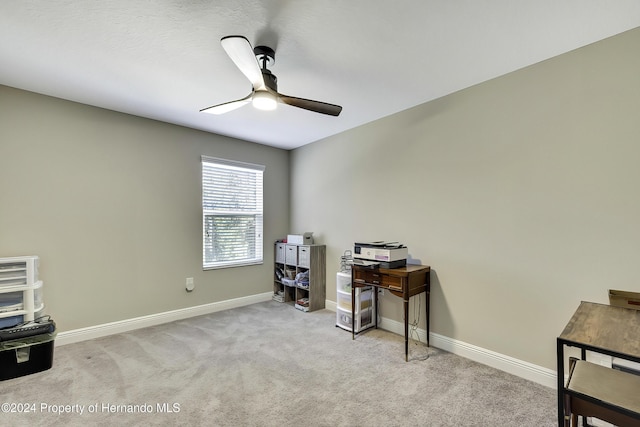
<point x="384" y="254"/>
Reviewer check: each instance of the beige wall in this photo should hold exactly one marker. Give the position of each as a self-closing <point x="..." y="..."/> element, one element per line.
<point x="111" y="204"/>
<point x="521" y="193"/>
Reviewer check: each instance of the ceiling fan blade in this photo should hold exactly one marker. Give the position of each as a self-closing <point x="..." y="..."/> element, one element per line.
<point x="316" y="106"/>
<point x="227" y="106"/>
<point x="241" y="53"/>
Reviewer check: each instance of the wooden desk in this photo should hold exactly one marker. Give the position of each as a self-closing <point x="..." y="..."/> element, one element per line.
<point x="403" y="282"/>
<point x="601" y="328"/>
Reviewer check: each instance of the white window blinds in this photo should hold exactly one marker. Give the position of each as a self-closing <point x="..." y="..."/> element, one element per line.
<point x="231" y="212"/>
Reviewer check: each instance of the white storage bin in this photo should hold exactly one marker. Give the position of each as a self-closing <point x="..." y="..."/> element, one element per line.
<point x="13" y="274"/>
<point x="11" y="301"/>
<point x="20" y="291"/>
<point x="304" y="256"/>
<point x="17" y="271"/>
<point x="344" y="301"/>
<point x="291" y="255"/>
<point x="344" y="319"/>
<point x="364" y="304"/>
<point x="280" y="252"/>
<point x="364" y="299"/>
<point x="343" y="281"/>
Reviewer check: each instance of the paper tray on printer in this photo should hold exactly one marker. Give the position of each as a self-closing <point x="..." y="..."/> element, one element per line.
<point x="380" y="244"/>
<point x="365" y="263"/>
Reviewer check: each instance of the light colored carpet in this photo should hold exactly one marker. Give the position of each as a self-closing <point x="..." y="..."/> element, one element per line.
<point x="270" y="365"/>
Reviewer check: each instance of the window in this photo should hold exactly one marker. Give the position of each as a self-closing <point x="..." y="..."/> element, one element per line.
<point x="231" y="213"/>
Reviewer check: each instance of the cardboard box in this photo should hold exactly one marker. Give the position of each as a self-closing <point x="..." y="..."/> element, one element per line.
<point x="624" y="299"/>
<point x="26" y="356"/>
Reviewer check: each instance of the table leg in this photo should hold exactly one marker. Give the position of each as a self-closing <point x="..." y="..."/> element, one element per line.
<point x="560" y="366"/>
<point x="375" y="304"/>
<point x="427" y="297"/>
<point x="406" y="329"/>
<point x="353" y="310"/>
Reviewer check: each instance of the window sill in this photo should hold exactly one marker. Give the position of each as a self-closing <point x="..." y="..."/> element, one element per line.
<point x="231" y="265"/>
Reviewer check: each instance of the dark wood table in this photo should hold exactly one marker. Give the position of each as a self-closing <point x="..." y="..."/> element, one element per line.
<point x="403" y="282"/>
<point x="601" y="328"/>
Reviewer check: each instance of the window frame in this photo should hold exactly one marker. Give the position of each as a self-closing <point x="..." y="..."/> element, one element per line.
<point x="258" y="213"/>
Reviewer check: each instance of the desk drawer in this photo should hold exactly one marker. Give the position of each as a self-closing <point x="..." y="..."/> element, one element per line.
<point x="392" y="282"/>
<point x="374" y="277"/>
<point x="371" y="277"/>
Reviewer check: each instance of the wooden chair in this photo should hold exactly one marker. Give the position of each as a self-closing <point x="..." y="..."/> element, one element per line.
<point x="604" y="393"/>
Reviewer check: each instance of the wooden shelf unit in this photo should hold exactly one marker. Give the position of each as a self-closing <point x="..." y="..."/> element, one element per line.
<point x="292" y="265"/>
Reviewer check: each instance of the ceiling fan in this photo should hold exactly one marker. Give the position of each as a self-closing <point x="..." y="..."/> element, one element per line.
<point x="264" y="95"/>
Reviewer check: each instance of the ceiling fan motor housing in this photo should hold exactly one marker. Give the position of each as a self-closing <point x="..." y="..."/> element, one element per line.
<point x="270" y="80"/>
<point x="267" y="57"/>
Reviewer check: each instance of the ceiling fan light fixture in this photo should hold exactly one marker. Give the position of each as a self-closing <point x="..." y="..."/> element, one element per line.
<point x="264" y="100"/>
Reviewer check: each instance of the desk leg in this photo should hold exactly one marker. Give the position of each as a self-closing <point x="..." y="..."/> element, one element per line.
<point x="560" y="364"/>
<point x="353" y="310"/>
<point x="375" y="304"/>
<point x="406" y="329"/>
<point x="427" y="297"/>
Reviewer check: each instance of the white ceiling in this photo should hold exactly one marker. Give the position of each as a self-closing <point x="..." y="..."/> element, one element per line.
<point x="162" y="59"/>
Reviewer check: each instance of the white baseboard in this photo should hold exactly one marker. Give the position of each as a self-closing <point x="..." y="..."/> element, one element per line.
<point x="91" y="332"/>
<point x="520" y="368"/>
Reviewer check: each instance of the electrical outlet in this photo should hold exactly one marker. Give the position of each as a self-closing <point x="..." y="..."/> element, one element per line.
<point x="190" y="285"/>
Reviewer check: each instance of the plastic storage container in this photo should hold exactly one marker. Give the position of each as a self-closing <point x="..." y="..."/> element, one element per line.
<point x="343" y="281"/>
<point x="20" y="290"/>
<point x="364" y="307"/>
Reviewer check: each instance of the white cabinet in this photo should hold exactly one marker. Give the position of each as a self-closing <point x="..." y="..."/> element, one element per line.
<point x="20" y="290"/>
<point x="299" y="275"/>
<point x="365" y="310"/>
